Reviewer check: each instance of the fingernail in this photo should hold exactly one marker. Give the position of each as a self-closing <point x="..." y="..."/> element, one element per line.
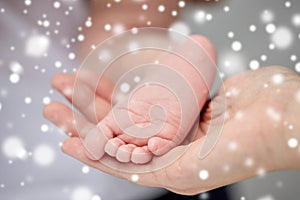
<point x="67" y="92"/>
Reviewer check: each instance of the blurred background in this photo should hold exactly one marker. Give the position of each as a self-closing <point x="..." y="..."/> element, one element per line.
<point x="39" y="38"/>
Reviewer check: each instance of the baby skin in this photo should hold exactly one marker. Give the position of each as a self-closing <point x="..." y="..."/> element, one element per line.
<point x="151" y="121"/>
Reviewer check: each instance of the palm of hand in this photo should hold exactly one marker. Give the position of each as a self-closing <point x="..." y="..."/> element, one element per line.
<point x="254" y="113"/>
<point x="256" y="102"/>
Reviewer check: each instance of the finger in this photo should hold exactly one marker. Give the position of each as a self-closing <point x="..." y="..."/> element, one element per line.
<point x="62" y="116"/>
<point x="67" y="120"/>
<point x="63" y="83"/>
<point x="75" y="148"/>
<point x="102" y="85"/>
<point x="85" y="100"/>
<point x="94" y="108"/>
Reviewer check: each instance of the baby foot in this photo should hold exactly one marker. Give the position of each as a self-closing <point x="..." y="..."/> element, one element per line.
<point x="150" y="121"/>
<point x="149" y="131"/>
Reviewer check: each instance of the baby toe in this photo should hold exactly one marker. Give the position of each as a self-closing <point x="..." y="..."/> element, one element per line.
<point x="112" y="146"/>
<point x="94" y="143"/>
<point x="124" y="153"/>
<point x="141" y="155"/>
<point x="159" y="146"/>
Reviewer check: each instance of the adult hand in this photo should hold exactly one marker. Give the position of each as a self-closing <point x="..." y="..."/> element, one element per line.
<point x="260" y="134"/>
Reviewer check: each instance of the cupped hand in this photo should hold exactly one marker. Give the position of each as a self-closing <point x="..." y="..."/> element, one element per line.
<point x="260" y="108"/>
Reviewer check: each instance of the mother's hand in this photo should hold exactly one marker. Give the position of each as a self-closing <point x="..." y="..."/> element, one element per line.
<point x="261" y="108"/>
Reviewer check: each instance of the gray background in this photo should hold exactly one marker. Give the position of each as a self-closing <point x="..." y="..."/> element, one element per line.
<point x="60" y="179"/>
